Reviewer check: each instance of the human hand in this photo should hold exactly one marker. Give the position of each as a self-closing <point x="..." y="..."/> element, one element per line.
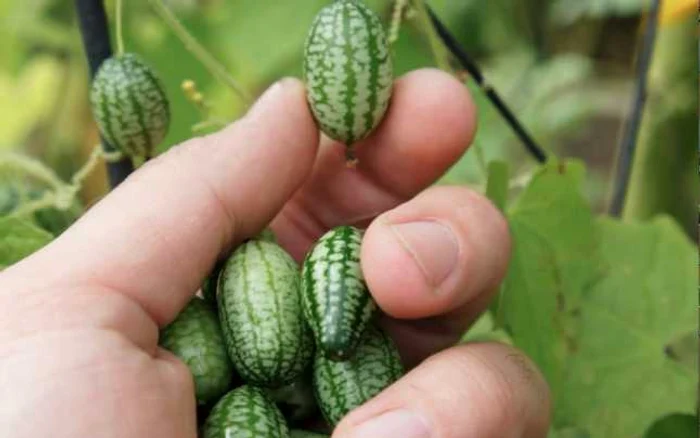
<point x="79" y="319"/>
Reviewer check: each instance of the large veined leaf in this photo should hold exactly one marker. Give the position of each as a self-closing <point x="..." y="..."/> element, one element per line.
<point x="554" y="260"/>
<point x="622" y="375"/>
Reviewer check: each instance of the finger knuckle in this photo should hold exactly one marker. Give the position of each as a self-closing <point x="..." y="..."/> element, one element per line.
<point x="177" y="374"/>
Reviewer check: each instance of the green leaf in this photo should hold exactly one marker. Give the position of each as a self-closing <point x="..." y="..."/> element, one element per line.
<point x="497" y="185"/>
<point x="18" y="239"/>
<point x="554" y="260"/>
<point x="684" y="348"/>
<point x="674" y="426"/>
<point x="485" y="330"/>
<point x="621" y="377"/>
<point x="568" y="11"/>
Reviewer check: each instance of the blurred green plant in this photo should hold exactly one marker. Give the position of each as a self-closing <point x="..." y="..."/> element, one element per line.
<point x="595" y="302"/>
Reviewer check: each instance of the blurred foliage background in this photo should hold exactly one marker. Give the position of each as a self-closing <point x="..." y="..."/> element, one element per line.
<point x="621" y="353"/>
<point x="564" y="66"/>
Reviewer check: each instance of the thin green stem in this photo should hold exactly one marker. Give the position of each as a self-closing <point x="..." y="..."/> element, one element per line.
<point x="209" y="124"/>
<point x="198" y="51"/>
<point x="120" y="27"/>
<point x="480" y="158"/>
<point x="440" y="52"/>
<point x="34" y="169"/>
<point x="87" y="168"/>
<point x="396" y="18"/>
<point x="112" y="156"/>
<point x="62" y="194"/>
<point x="497" y="185"/>
<point x="47" y="200"/>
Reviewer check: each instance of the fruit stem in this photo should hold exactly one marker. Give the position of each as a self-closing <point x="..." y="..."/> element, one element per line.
<point x="87" y="168"/>
<point x="351" y="160"/>
<point x="198" y="51"/>
<point x="120" y="27"/>
<point x="397" y="16"/>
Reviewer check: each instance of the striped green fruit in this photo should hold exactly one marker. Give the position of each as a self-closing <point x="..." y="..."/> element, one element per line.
<point x="211" y="283"/>
<point x="195" y="337"/>
<point x="130" y="106"/>
<point x="245" y="412"/>
<point x="348" y="70"/>
<point x="342" y="386"/>
<point x="306" y="434"/>
<point x="337" y="303"/>
<point x="260" y="311"/>
<point x="296" y="400"/>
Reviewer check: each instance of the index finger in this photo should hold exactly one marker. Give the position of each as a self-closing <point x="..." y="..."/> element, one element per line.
<point x="156" y="236"/>
<point x="429" y="125"/>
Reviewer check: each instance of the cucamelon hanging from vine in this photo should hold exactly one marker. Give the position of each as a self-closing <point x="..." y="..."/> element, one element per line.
<point x="130" y="106"/>
<point x="348" y="71"/>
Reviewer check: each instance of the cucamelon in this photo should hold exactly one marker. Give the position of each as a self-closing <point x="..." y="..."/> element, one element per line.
<point x="342" y="386"/>
<point x="260" y="311"/>
<point x="211" y="283"/>
<point x="246" y="412"/>
<point x="195" y="337"/>
<point x="348" y="70"/>
<point x="130" y="106"/>
<point x="337" y="304"/>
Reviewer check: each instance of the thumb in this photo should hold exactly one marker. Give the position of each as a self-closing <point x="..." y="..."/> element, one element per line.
<point x="155" y="237"/>
<point x="469" y="391"/>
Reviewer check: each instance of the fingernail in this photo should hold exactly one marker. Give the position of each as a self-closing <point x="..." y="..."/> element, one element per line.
<point x="401" y="423"/>
<point x="432" y="245"/>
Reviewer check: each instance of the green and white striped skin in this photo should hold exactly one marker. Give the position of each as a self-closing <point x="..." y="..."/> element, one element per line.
<point x="246" y="412"/>
<point x="260" y="311"/>
<point x="342" y="386"/>
<point x="130" y="106"/>
<point x="348" y="70"/>
<point x="306" y="434"/>
<point x="195" y="337"/>
<point x="211" y="283"/>
<point x="337" y="304"/>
